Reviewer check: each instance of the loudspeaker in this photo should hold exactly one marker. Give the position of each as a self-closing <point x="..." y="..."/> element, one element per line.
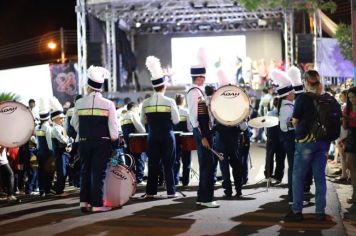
<point x="94" y="54"/>
<point x="95" y="57"/>
<point x="305" y="48"/>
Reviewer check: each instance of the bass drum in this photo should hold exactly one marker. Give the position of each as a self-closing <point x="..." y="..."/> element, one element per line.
<point x="119" y="184"/>
<point x="16" y="124"/>
<point x="230" y="105"/>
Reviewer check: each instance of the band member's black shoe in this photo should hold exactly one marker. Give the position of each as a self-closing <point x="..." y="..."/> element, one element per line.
<point x="85" y="209"/>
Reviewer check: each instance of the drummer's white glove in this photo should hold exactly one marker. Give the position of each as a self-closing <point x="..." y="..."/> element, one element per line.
<point x="243" y="126"/>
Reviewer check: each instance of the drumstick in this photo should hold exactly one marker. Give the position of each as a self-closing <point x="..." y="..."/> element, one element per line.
<point x="219" y="155"/>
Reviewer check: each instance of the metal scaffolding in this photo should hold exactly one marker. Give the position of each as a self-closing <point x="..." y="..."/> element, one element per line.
<point x="174" y="16"/>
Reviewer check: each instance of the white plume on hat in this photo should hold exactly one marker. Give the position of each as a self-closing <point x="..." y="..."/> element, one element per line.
<point x="153" y="64"/>
<point x="44" y="108"/>
<point x="56" y="108"/>
<point x="43" y="105"/>
<point x="281" y="79"/>
<point x="296" y="79"/>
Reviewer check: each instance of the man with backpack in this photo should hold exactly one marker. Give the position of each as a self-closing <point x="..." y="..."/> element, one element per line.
<point x="316" y="118"/>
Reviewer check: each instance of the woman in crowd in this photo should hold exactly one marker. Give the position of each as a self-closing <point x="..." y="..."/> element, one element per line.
<point x="7" y="175"/>
<point x="349" y="123"/>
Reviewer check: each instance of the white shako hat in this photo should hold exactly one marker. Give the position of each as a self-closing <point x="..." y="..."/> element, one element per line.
<point x="197" y="71"/>
<point x="296" y="78"/>
<point x="96" y="76"/>
<point x="280" y="78"/>
<point x="153" y="64"/>
<point x="57" y="108"/>
<point x="44" y="109"/>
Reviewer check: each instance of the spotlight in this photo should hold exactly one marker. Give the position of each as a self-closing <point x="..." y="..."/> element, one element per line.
<point x="138" y="24"/>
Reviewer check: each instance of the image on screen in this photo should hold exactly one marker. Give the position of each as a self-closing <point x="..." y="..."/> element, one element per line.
<point x="220" y="55"/>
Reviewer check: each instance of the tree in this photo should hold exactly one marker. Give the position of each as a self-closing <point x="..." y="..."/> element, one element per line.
<point x="344" y="37"/>
<point x="296" y="4"/>
<point x="8" y="96"/>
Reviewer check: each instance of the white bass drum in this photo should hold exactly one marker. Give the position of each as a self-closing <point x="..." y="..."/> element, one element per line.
<point x="16" y="124"/>
<point x="230" y="105"/>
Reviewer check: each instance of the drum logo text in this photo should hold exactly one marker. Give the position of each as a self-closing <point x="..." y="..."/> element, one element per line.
<point x="118" y="174"/>
<point x="8" y="110"/>
<point x="230" y="94"/>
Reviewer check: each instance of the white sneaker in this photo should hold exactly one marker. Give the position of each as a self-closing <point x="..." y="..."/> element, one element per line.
<point x="148" y="196"/>
<point x="100" y="209"/>
<point x="84" y="204"/>
<point x="213" y="204"/>
<point x="11" y="198"/>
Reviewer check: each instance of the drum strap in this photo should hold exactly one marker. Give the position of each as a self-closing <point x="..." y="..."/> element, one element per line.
<point x="195" y="88"/>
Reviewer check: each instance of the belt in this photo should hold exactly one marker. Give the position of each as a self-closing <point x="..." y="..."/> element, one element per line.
<point x="88" y="139"/>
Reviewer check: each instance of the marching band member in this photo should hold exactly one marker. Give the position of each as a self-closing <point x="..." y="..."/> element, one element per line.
<point x="95" y="120"/>
<point x="186" y="157"/>
<point x="44" y="148"/>
<point x="131" y="124"/>
<point x="227" y="142"/>
<point x="160" y="113"/>
<point x="244" y="149"/>
<point x="60" y="142"/>
<point x="74" y="171"/>
<point x="285" y="112"/>
<point x="200" y="120"/>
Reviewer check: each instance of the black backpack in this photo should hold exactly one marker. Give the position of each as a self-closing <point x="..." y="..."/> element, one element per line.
<point x="327" y="118"/>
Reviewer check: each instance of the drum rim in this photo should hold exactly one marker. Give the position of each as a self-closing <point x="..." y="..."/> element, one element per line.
<point x="32" y="125"/>
<point x="138" y="134"/>
<point x="235" y="122"/>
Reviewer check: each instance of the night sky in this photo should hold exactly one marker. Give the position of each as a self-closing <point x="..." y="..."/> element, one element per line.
<point x="23" y="19"/>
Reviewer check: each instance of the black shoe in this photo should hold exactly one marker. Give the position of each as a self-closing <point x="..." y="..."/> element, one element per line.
<point x="85" y="209"/>
<point x="293" y="217"/>
<point x="320" y="216"/>
<point x="238" y="194"/>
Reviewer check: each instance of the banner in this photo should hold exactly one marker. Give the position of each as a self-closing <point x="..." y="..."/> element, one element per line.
<point x="64" y="81"/>
<point x="330" y="61"/>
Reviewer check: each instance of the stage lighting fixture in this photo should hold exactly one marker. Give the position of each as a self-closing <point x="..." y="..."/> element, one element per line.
<point x="138" y="24"/>
<point x="156" y="27"/>
<point x="261" y="22"/>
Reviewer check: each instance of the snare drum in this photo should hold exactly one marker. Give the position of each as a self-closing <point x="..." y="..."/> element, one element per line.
<point x="119" y="186"/>
<point x="16" y="124"/>
<point x="230" y="105"/>
<point x="138" y="142"/>
<point x="187" y="142"/>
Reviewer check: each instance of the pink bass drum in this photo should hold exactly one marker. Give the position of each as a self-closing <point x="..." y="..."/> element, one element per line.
<point x="119" y="184"/>
<point x="16" y="124"/>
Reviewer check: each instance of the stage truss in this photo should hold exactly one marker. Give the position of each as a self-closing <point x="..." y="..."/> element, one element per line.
<point x="175" y="16"/>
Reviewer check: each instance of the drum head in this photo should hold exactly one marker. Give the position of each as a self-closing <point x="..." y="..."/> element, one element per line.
<point x="16" y="124"/>
<point x="230" y="105"/>
<point x="119" y="186"/>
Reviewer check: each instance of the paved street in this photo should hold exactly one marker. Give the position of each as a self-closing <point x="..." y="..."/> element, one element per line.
<point x="258" y="212"/>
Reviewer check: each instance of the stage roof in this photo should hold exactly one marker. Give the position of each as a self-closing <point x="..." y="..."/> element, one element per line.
<point x="167" y="16"/>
